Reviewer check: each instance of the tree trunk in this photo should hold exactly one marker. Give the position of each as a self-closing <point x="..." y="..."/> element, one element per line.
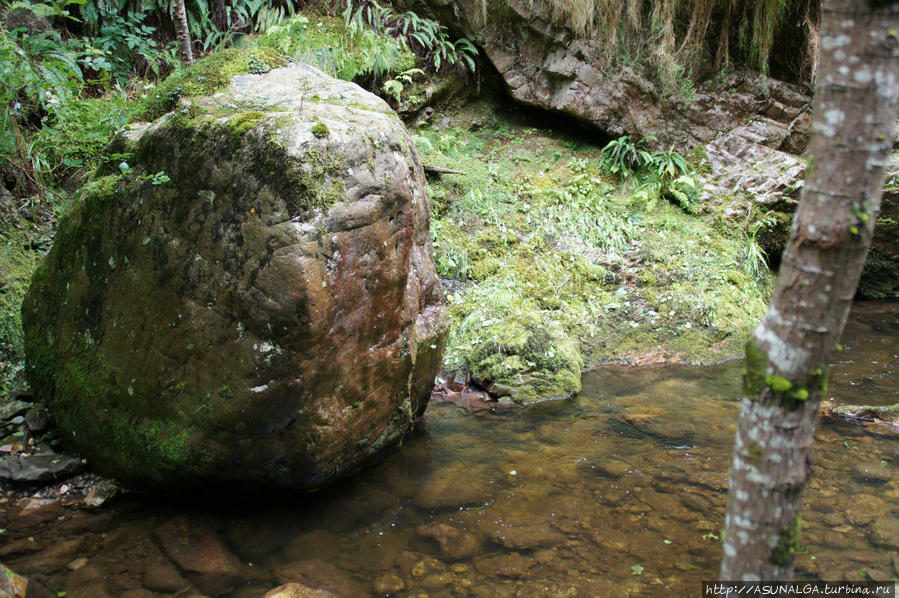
<point x="220" y="15"/>
<point x="787" y="358"/>
<point x="187" y="53"/>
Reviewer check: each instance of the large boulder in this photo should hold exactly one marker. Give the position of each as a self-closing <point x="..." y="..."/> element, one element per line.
<point x="253" y="300"/>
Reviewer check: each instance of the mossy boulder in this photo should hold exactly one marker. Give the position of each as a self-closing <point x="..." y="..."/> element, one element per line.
<point x="244" y="302"/>
<point x="523" y="359"/>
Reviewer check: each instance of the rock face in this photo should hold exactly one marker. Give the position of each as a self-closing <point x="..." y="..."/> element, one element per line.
<point x="253" y="300"/>
<point x="752" y="129"/>
<point x="546" y="66"/>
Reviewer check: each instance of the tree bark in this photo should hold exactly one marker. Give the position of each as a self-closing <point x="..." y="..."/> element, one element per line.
<point x="183" y="31"/>
<point x="856" y="100"/>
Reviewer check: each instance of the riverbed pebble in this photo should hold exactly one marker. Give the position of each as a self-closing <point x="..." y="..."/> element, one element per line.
<point x="872" y="473"/>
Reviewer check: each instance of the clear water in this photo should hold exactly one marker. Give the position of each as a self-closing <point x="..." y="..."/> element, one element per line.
<point x="620" y="491"/>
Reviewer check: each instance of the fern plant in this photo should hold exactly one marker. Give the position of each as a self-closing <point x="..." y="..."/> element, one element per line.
<point x="624" y="157"/>
<point x="660" y="173"/>
<point x="395" y="87"/>
<point x="428" y="39"/>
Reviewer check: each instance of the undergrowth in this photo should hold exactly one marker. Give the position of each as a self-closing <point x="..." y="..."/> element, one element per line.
<point x="540" y="230"/>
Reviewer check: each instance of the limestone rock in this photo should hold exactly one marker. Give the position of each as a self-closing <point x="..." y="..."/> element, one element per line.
<point x="267" y="312"/>
<point x="752" y="129"/>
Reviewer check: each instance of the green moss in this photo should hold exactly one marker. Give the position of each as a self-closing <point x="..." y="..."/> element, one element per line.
<point x="243" y="123"/>
<point x="320" y="130"/>
<point x="185" y="146"/>
<point x="778" y="383"/>
<point x="516" y="353"/>
<point x="204" y="78"/>
<point x="788" y="543"/>
<point x="536" y="223"/>
<point x="17" y="263"/>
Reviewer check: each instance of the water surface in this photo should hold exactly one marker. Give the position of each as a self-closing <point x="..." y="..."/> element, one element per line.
<point x="619" y="491"/>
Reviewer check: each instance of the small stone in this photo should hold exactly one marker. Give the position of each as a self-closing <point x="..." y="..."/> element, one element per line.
<point x="297" y="590"/>
<point x="872" y="473"/>
<point x="320" y="574"/>
<point x="39" y="468"/>
<point x="162" y="576"/>
<point x="12" y="585"/>
<point x="507" y="565"/>
<point x="29" y="512"/>
<point x="389" y="583"/>
<point x="527" y="537"/>
<point x="37" y="420"/>
<point x="200" y="554"/>
<point x="54" y="557"/>
<point x="885" y="532"/>
<point x="17" y="420"/>
<point x="101" y="493"/>
<point x="77" y="564"/>
<point x="20" y="546"/>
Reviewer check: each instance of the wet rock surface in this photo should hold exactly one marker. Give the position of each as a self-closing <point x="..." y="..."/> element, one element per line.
<point x="271" y="315"/>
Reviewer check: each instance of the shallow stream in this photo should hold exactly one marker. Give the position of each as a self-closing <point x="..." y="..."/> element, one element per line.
<point x="620" y="491"/>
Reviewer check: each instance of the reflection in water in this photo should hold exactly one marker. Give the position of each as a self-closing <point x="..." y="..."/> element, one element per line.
<point x="620" y="491"/>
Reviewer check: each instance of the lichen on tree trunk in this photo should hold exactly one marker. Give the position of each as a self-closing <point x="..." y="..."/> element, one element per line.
<point x="786" y="366"/>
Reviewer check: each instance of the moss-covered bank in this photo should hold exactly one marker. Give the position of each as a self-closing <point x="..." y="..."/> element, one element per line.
<point x="537" y="237"/>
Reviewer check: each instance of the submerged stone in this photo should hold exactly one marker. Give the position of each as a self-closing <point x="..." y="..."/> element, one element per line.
<point x="244" y="302"/>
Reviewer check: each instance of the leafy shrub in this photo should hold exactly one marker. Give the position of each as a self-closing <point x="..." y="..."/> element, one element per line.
<point x="339" y="51"/>
<point x="428" y="39"/>
<point x="120" y="41"/>
<point x="624" y="157"/>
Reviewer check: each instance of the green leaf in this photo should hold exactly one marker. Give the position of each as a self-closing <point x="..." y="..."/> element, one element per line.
<point x="636" y="570"/>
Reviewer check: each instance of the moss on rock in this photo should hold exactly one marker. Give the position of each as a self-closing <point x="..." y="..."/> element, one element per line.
<point x="204" y="78"/>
